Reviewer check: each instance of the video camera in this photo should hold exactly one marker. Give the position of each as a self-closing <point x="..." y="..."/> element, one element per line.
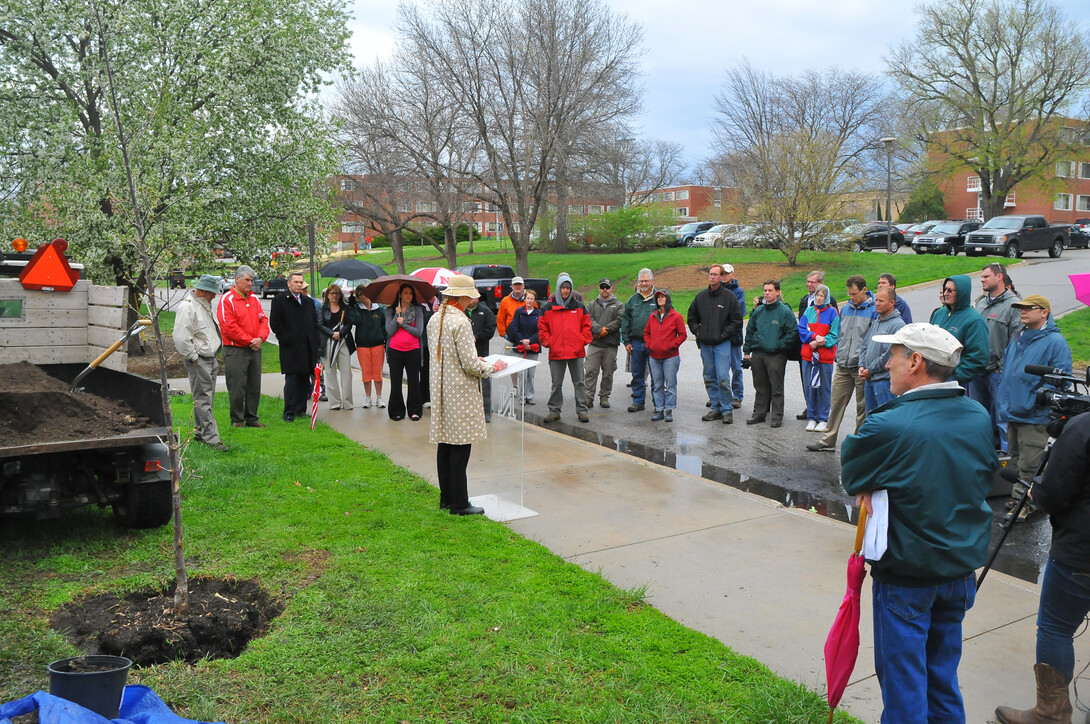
<point x="1062" y="401"/>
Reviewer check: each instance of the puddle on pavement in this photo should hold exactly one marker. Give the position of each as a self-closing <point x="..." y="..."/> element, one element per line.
<point x="1023" y="555"/>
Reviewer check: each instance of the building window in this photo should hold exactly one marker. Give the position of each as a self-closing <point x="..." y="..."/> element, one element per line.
<point x="611" y="209"/>
<point x="1082" y="203"/>
<point x="515" y="227"/>
<point x="655" y="198"/>
<point x="1065" y="169"/>
<point x="470" y="207"/>
<point x="426" y="207"/>
<point x="595" y="209"/>
<point x="974" y="214"/>
<point x="353" y="227"/>
<point x="682" y="195"/>
<point x="682" y="211"/>
<point x="1009" y="201"/>
<point x="405" y="207"/>
<point x="1069" y="134"/>
<point x="1084" y="170"/>
<point x="973" y="184"/>
<point x="667" y="195"/>
<point x="1062" y="203"/>
<point x="491" y="227"/>
<point x="575" y="209"/>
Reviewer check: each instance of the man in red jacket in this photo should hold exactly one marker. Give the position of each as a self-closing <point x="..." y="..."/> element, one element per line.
<point x="245" y="327"/>
<point x="566" y="330"/>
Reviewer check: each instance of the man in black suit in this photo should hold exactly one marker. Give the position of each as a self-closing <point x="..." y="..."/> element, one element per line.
<point x="294" y="321"/>
<point x="813" y="280"/>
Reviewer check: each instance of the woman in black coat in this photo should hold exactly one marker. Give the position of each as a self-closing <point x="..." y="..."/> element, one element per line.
<point x="338" y="346"/>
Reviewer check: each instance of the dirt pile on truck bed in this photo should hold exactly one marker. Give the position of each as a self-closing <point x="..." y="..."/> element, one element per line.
<point x="35" y="407"/>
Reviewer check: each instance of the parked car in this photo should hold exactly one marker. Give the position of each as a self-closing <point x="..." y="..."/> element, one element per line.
<point x="1010" y="236"/>
<point x="226" y="282"/>
<point x="275" y="286"/>
<point x="873" y="235"/>
<point x="688" y="232"/>
<point x="1083" y="224"/>
<point x="713" y="236"/>
<point x="1078" y="237"/>
<point x="493" y="281"/>
<point x="945" y="238"/>
<point x="917" y="229"/>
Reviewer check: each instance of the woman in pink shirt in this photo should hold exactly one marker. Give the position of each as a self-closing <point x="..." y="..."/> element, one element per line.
<point x="405" y="325"/>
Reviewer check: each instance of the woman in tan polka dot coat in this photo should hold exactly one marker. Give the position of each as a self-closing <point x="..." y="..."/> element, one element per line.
<point x="457" y="411"/>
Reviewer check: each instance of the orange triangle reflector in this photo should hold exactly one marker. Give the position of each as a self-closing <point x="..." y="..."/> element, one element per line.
<point x="48" y="270"/>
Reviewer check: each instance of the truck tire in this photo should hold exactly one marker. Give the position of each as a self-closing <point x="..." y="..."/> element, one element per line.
<point x="1012" y="251"/>
<point x="1056" y="249"/>
<point x="146" y="505"/>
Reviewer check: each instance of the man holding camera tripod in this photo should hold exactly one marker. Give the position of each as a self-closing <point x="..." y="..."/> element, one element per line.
<point x="1039" y="342"/>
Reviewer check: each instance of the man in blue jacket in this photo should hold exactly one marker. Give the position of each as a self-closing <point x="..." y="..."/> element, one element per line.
<point x="939" y="521"/>
<point x="1039" y="342"/>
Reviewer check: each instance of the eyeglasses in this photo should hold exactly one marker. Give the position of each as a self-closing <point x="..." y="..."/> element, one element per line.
<point x="604" y="286"/>
<point x="1026" y="309"/>
<point x="949" y="291"/>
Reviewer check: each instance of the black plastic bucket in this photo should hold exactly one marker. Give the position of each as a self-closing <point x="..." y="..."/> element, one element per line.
<point x="99" y="691"/>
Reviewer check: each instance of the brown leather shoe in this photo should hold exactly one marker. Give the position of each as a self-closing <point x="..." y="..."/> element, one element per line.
<point x="255" y="423"/>
<point x="238" y="424"/>
<point x="1053" y="703"/>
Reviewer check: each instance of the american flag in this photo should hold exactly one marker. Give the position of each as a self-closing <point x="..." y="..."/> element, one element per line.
<point x="315" y="394"/>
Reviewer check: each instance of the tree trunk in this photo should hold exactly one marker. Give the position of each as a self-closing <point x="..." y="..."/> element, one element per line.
<point x="992" y="204"/>
<point x="450" y="236"/>
<point x="397" y="245"/>
<point x="560" y="242"/>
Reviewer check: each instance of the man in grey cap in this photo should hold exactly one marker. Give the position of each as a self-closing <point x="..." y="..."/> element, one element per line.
<point x="605" y="328"/>
<point x="934" y="484"/>
<point x="197" y="339"/>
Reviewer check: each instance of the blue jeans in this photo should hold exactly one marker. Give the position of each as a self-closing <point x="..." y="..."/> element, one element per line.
<point x="664" y="382"/>
<point x="818" y="400"/>
<point x="877" y="393"/>
<point x="737" y="382"/>
<point x="917" y="648"/>
<point x="985" y="390"/>
<point x="639" y="372"/>
<point x="1065" y="601"/>
<point x="717" y="361"/>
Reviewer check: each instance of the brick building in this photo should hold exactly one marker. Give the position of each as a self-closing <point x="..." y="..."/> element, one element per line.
<point x="697" y="203"/>
<point x="1062" y="198"/>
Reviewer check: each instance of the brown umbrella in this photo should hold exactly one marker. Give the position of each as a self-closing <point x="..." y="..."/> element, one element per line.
<point x="384" y="289"/>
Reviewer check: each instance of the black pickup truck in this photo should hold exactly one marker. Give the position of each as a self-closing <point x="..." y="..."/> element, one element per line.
<point x="493" y="281"/>
<point x="1010" y="236"/>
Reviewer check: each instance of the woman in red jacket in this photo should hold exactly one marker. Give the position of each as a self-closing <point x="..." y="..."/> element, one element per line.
<point x="663" y="335"/>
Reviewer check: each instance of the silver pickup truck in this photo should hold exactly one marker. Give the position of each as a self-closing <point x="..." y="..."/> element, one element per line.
<point x="1010" y="236"/>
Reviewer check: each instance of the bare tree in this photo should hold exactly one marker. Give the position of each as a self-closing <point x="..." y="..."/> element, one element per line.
<point x="529" y="75"/>
<point x="797" y="148"/>
<point x="990" y="82"/>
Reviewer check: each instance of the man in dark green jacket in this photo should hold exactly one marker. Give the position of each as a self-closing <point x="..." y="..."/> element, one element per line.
<point x="938" y="520"/>
<point x="957" y="316"/>
<point x="771" y="330"/>
<point x="637" y="310"/>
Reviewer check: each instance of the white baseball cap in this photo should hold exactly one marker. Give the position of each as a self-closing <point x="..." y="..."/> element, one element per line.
<point x="932" y="342"/>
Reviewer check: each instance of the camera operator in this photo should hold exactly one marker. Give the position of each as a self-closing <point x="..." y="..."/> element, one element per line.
<point x="1039" y="342"/>
<point x="1064" y="493"/>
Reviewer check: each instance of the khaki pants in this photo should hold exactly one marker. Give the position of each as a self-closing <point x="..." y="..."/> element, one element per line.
<point x="202" y="383"/>
<point x="604" y="359"/>
<point x="846" y="380"/>
<point x="1026" y="443"/>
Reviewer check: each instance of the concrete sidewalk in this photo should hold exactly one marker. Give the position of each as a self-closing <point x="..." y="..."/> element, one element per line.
<point x="764" y="579"/>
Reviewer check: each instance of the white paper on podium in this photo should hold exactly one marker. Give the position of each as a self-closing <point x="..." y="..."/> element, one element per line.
<point x="514" y="364"/>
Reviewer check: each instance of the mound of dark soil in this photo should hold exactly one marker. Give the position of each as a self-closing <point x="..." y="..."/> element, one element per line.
<point x="223" y="616"/>
<point x="35" y="407"/>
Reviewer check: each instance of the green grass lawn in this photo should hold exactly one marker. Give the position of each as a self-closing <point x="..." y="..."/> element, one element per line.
<point x="394" y="611"/>
<point x="1076" y="330"/>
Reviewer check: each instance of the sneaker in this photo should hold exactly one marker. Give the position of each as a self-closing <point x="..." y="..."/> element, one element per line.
<point x="366" y="403"/>
<point x="635" y="408"/>
<point x="811" y="425"/>
<point x="728" y="418"/>
<point x="820" y="447"/>
<point x="379" y="403"/>
<point x="427" y="405"/>
<point x="217" y="446"/>
<point x="669" y="414"/>
<point x="552" y="417"/>
<point x="659" y="415"/>
<point x="713" y="415"/>
<point x="530" y="401"/>
<point x="822" y="426"/>
<point x="583" y="417"/>
<point x="604" y="404"/>
<point x="735" y="403"/>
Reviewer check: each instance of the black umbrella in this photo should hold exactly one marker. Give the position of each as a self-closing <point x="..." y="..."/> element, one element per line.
<point x="352" y="269"/>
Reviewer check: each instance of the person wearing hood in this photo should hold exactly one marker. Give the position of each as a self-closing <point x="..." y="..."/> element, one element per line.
<point x="875" y="355"/>
<point x="957" y="316"/>
<point x="663" y="335"/>
<point x="565" y="328"/>
<point x="771" y="331"/>
<point x="605" y="328"/>
<point x="369" y="325"/>
<point x="855" y="319"/>
<point x="197" y="339"/>
<point x="819" y="325"/>
<point x="1003" y="321"/>
<point x="1039" y="342"/>
<point x="715" y="317"/>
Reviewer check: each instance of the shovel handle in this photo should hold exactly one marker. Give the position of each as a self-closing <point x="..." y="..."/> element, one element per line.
<point x="861" y="527"/>
<point x="116" y="345"/>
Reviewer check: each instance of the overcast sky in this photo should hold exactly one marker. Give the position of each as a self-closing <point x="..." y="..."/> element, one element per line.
<point x="690" y="45"/>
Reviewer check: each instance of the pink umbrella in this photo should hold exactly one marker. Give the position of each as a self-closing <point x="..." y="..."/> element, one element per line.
<point x="437" y="276"/>
<point x="1081" y="282"/>
<point x="315" y="394"/>
<point x="842" y="646"/>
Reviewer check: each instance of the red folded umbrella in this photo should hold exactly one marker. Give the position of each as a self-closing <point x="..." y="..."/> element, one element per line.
<point x="842" y="645"/>
<point x="315" y="394"/>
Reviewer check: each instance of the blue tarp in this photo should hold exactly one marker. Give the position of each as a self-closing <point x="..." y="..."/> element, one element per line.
<point x="139" y="705"/>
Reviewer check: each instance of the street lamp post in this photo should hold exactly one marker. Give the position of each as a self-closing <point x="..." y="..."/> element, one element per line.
<point x="888" y="140"/>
